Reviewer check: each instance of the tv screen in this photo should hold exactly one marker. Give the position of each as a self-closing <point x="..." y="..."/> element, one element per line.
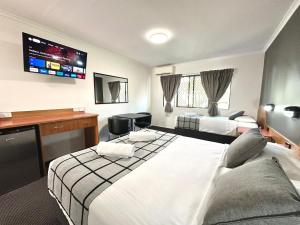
<point x="50" y="58"/>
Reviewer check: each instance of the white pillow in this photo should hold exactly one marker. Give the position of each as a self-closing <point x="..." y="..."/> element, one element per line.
<point x="191" y="114"/>
<point x="245" y="119"/>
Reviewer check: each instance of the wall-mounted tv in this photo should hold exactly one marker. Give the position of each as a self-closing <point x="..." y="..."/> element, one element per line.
<point x="50" y="58"/>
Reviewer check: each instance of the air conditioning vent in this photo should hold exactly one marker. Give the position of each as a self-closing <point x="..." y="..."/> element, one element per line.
<point x="164" y="70"/>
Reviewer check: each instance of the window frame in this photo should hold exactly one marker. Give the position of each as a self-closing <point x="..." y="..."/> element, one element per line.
<point x="193" y="107"/>
<point x="190" y="107"/>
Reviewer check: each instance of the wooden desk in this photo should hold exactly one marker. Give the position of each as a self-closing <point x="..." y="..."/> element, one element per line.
<point x="55" y="121"/>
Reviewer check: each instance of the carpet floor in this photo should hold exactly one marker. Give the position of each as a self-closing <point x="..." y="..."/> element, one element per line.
<point x="30" y="205"/>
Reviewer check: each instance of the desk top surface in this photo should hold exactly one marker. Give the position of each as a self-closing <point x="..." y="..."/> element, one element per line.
<point x="35" y="120"/>
<point x="132" y="115"/>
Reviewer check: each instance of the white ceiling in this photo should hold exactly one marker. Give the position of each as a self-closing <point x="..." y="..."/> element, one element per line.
<point x="201" y="28"/>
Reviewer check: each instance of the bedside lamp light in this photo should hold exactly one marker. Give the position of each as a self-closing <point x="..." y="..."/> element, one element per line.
<point x="292" y="111"/>
<point x="269" y="107"/>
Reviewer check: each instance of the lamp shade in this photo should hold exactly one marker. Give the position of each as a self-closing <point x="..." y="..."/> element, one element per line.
<point x="292" y="111"/>
<point x="269" y="107"/>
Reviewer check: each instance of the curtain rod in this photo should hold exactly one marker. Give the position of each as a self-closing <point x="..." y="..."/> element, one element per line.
<point x="191" y="74"/>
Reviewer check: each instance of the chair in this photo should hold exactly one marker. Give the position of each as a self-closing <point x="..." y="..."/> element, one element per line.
<point x="143" y="122"/>
<point x="118" y="126"/>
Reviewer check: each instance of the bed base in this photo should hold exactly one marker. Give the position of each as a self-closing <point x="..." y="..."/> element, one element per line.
<point x="223" y="139"/>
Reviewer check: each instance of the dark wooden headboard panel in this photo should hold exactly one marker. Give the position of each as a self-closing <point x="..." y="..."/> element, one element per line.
<point x="262" y="117"/>
<point x="276" y="136"/>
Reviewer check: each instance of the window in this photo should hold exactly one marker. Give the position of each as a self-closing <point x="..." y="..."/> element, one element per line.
<point x="225" y="100"/>
<point x="191" y="94"/>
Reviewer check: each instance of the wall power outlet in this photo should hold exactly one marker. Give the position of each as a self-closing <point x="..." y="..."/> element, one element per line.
<point x="5" y="114"/>
<point x="79" y="109"/>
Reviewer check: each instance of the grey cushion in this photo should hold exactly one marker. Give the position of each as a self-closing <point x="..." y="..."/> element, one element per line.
<point x="246" y="146"/>
<point x="257" y="193"/>
<point x="236" y="115"/>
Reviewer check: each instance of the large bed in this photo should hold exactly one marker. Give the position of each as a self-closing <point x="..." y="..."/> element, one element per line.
<point x="168" y="189"/>
<point x="168" y="181"/>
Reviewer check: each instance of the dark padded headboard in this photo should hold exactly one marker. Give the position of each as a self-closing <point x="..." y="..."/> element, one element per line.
<point x="281" y="79"/>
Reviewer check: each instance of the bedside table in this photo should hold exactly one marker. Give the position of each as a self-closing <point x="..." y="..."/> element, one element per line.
<point x="264" y="132"/>
<point x="267" y="134"/>
<point x="241" y="130"/>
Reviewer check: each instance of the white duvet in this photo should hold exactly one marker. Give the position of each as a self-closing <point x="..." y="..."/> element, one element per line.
<point x="222" y="125"/>
<point x="218" y="125"/>
<point x="169" y="189"/>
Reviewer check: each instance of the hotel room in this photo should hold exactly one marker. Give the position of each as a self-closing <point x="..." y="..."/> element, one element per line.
<point x="150" y="112"/>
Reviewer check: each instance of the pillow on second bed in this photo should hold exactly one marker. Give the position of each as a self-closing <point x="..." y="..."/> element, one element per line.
<point x="245" y="119"/>
<point x="246" y="146"/>
<point x="258" y="192"/>
<point x="235" y="115"/>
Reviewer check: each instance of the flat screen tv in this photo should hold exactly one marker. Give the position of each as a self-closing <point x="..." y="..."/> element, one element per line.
<point x="50" y="58"/>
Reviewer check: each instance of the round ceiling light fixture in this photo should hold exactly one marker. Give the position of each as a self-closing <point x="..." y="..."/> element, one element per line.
<point x="159" y="36"/>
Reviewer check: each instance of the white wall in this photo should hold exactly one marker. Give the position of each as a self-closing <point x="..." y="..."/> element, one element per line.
<point x="245" y="87"/>
<point x="21" y="90"/>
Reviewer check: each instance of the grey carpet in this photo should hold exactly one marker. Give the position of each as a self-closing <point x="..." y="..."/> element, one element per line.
<point x="30" y="205"/>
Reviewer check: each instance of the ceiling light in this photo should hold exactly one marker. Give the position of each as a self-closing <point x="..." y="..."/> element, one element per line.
<point x="158" y="36"/>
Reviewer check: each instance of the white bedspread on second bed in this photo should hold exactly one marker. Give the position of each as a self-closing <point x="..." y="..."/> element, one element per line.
<point x="218" y="125"/>
<point x="168" y="189"/>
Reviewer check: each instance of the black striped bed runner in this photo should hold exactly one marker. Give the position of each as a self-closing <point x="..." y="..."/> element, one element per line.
<point x="76" y="179"/>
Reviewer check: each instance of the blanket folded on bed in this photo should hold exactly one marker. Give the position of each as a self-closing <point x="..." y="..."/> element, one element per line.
<point x="188" y="122"/>
<point x="115" y="149"/>
<point x="142" y="136"/>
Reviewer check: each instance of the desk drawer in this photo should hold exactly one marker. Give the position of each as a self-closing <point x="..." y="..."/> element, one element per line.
<point x="87" y="122"/>
<point x="58" y="127"/>
<point x="49" y="128"/>
<point x="68" y="125"/>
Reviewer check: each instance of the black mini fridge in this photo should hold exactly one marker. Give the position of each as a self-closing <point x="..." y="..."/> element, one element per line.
<point x="19" y="158"/>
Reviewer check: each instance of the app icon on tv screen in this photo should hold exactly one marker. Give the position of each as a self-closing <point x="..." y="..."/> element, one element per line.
<point x="47" y="57"/>
<point x="33" y="69"/>
<point x="59" y="73"/>
<point x="66" y="68"/>
<point x="43" y="71"/>
<point x="51" y="72"/>
<point x="37" y="62"/>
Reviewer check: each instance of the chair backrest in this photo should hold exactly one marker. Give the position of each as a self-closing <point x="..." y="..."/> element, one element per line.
<point x="118" y="126"/>
<point x="146" y="119"/>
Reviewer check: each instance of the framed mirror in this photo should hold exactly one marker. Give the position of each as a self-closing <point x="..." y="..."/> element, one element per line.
<point x="110" y="89"/>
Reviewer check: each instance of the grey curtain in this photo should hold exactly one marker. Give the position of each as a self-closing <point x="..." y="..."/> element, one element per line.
<point x="114" y="88"/>
<point x="215" y="84"/>
<point x="170" y="86"/>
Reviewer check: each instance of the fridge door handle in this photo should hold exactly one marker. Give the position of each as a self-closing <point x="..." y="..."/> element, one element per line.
<point x="9" y="139"/>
